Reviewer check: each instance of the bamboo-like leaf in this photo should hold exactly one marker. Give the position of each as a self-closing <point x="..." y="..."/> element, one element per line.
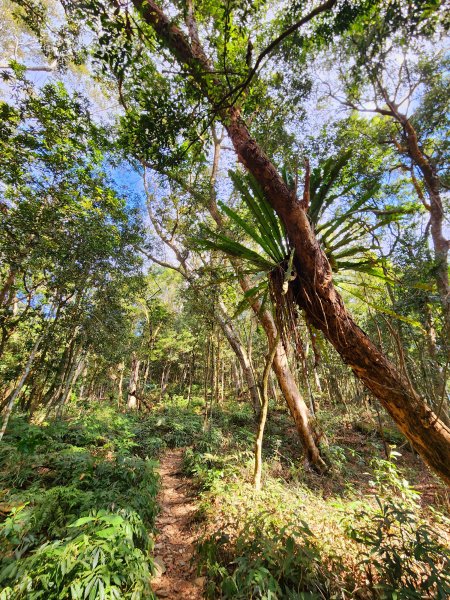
<point x="257" y="213"/>
<point x="368" y="268"/>
<point x="331" y="226"/>
<point x="353" y="233"/>
<point x="322" y="181"/>
<point x="351" y="251"/>
<point x="274" y="222"/>
<point x="265" y="218"/>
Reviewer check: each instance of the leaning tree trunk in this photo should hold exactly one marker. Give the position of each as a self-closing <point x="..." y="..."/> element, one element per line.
<point x="316" y="294"/>
<point x="241" y="353"/>
<point x="74" y="373"/>
<point x="314" y="289"/>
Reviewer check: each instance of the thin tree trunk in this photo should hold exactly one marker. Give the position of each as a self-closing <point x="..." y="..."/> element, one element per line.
<point x="205" y="382"/>
<point x="120" y="384"/>
<point x="222" y="381"/>
<point x="273" y="388"/>
<point x="241" y="353"/>
<point x="83" y="383"/>
<point x="435" y="208"/>
<point x="289" y="387"/>
<point x="19" y="386"/>
<point x="145" y="377"/>
<point x="190" y="377"/>
<point x="72" y="377"/>
<point x="134" y="378"/>
<point x="263" y="416"/>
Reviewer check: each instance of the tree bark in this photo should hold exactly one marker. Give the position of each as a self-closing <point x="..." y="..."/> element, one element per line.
<point x="75" y="370"/>
<point x="435" y="207"/>
<point x="132" y="386"/>
<point x="241" y="353"/>
<point x="263" y="416"/>
<point x="314" y="289"/>
<point x="309" y="438"/>
<point x="220" y="315"/>
<point x="121" y="369"/>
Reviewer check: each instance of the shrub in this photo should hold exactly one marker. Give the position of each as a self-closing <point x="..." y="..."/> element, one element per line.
<point x="265" y="561"/>
<point x="402" y="554"/>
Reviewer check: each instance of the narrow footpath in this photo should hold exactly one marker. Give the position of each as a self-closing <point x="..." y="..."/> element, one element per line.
<point x="176" y="577"/>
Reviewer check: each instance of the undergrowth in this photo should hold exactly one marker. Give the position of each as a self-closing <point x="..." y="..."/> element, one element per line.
<point x="294" y="541"/>
<point x="79" y="505"/>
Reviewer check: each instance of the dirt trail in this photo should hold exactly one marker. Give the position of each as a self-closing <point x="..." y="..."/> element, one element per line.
<point x="174" y="548"/>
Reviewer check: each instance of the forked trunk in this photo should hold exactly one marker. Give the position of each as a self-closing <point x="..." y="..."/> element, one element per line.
<point x="315" y="292"/>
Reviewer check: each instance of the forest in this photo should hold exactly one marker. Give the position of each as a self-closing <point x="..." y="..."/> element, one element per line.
<point x="224" y="299"/>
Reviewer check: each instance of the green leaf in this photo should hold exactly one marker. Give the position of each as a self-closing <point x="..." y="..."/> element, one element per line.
<point x="382" y="309"/>
<point x="82" y="521"/>
<point x="235" y="249"/>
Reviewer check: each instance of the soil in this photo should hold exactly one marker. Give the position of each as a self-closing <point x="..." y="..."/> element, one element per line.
<point x="176" y="577"/>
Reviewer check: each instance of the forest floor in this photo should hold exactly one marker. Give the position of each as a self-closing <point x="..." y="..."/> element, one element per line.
<point x="173" y="504"/>
<point x="175" y="541"/>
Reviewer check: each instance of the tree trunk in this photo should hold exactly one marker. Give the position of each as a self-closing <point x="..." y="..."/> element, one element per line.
<point x="314" y="289"/>
<point x="75" y="370"/>
<point x="132" y="386"/>
<point x="164" y="380"/>
<point x="121" y="368"/>
<point x="191" y="375"/>
<point x="83" y="383"/>
<point x="241" y="353"/>
<point x="436" y="210"/>
<point x="297" y="406"/>
<point x="298" y="409"/>
<point x="19" y="386"/>
<point x="263" y="416"/>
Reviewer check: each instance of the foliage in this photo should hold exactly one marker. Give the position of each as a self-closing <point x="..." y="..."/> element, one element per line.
<point x="171" y="424"/>
<point x="287" y="541"/>
<point x="271" y="562"/>
<point x="68" y="249"/>
<point x="83" y="506"/>
<point x="93" y="98"/>
<point x="403" y="555"/>
<point x="87" y="564"/>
